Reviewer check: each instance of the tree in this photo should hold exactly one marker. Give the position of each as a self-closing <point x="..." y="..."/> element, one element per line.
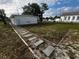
<point x="43" y="7"/>
<point x="2" y="15"/>
<point x="26" y="10"/>
<point x="31" y="9"/>
<point x="51" y="17"/>
<point x="35" y="9"/>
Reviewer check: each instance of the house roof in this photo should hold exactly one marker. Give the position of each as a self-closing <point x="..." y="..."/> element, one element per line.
<point x="70" y="13"/>
<point x="13" y="16"/>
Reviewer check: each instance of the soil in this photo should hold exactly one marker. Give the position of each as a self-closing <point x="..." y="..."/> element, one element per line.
<point x="11" y="47"/>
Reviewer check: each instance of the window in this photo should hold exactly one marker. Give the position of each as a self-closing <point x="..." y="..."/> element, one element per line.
<point x="64" y="18"/>
<point x="73" y="18"/>
<point x="69" y="18"/>
<point x="78" y="18"/>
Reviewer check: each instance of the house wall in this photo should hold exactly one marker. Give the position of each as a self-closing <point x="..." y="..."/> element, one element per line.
<point x="70" y="18"/>
<point x="24" y="19"/>
<point x="58" y="19"/>
<point x="13" y="21"/>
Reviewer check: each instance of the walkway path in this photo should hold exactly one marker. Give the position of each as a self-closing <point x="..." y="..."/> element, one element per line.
<point x="41" y="47"/>
<point x="44" y="49"/>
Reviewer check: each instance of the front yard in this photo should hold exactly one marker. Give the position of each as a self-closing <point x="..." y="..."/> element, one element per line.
<point x="55" y="31"/>
<point x="11" y="47"/>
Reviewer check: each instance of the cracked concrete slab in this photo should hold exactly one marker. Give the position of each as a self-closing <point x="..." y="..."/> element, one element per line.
<point x="48" y="50"/>
<point x="28" y="35"/>
<point x="38" y="43"/>
<point x="32" y="38"/>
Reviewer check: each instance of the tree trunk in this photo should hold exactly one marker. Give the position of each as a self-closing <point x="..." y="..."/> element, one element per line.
<point x="3" y="19"/>
<point x="41" y="18"/>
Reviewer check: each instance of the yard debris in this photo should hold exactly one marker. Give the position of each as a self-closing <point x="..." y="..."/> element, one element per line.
<point x="11" y="47"/>
<point x="65" y="49"/>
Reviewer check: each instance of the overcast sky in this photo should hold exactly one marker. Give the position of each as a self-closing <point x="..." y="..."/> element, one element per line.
<point x="55" y="6"/>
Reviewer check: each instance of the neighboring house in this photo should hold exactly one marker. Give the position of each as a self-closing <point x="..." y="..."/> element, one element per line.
<point x="52" y="19"/>
<point x="24" y="19"/>
<point x="70" y="17"/>
<point x="57" y="19"/>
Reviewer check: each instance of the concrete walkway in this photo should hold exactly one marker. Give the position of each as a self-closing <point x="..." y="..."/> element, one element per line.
<point x="44" y="49"/>
<point x="40" y="46"/>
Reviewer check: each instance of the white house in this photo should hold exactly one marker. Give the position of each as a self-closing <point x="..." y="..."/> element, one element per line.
<point x="24" y="20"/>
<point x="70" y="17"/>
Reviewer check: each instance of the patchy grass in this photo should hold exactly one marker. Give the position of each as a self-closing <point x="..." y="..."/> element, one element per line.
<point x="53" y="26"/>
<point x="52" y="31"/>
<point x="11" y="47"/>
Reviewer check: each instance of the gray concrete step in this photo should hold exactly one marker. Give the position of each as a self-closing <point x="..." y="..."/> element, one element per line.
<point x="27" y="35"/>
<point x="38" y="43"/>
<point x="32" y="38"/>
<point x="23" y="33"/>
<point x="48" y="51"/>
<point x="20" y="29"/>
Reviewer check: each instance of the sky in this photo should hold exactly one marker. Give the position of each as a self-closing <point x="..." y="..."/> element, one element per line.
<point x="56" y="7"/>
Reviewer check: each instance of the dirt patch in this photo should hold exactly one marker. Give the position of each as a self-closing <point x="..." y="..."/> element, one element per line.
<point x="11" y="47"/>
<point x="55" y="31"/>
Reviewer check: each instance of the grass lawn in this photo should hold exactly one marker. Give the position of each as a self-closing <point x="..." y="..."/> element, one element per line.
<point x="11" y="47"/>
<point x="53" y="31"/>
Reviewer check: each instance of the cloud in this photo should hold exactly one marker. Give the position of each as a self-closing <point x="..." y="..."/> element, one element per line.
<point x="77" y="8"/>
<point x="50" y="12"/>
<point x="11" y="6"/>
<point x="5" y="1"/>
<point x="59" y="11"/>
<point x="66" y="8"/>
<point x="70" y="9"/>
<point x="15" y="6"/>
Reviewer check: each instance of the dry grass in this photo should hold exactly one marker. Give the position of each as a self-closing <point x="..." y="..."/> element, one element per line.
<point x="54" y="31"/>
<point x="11" y="47"/>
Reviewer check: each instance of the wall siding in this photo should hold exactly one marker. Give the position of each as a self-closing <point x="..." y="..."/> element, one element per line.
<point x="24" y="20"/>
<point x="71" y="18"/>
